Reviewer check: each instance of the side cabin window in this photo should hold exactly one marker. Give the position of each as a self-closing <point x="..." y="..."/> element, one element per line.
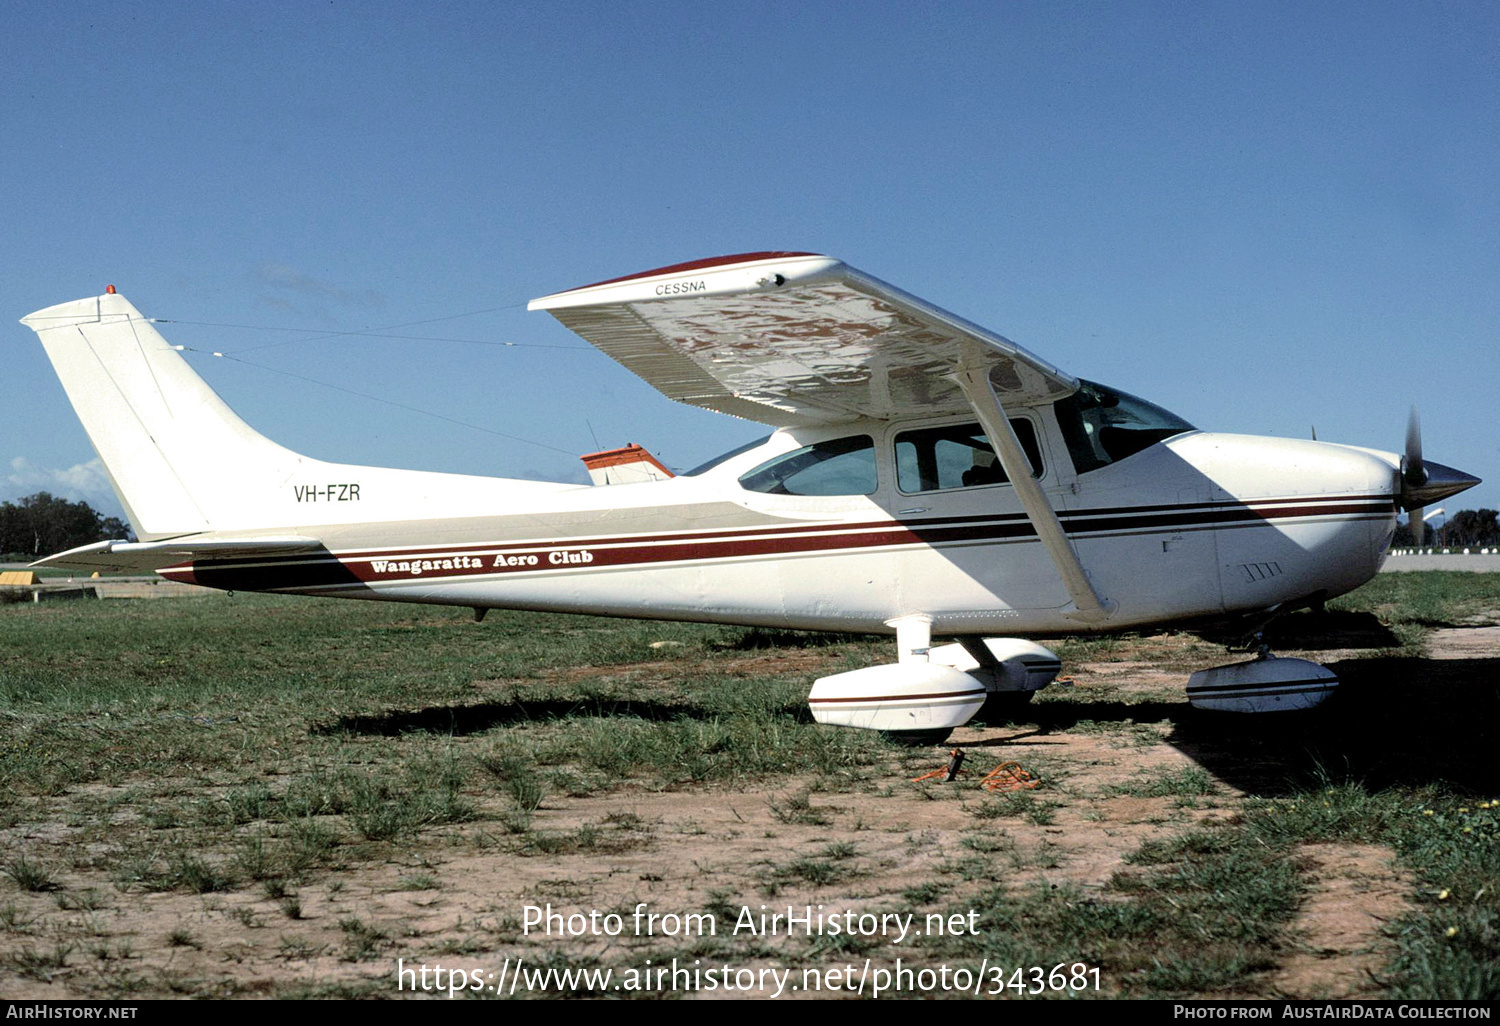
<point x="957" y="456"/>
<point x="1104" y="426"/>
<point x="839" y="466"/>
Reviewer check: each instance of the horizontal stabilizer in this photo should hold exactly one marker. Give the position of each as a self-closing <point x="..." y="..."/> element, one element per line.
<point x="629" y="465"/>
<point x="143" y="557"/>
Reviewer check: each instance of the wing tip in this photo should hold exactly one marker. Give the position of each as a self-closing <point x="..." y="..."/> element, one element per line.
<point x="576" y="296"/>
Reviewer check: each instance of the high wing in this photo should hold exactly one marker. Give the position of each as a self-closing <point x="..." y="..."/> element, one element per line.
<point x="795" y="339"/>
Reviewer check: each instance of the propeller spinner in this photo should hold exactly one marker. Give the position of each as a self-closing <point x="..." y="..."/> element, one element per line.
<point x="1423" y="482"/>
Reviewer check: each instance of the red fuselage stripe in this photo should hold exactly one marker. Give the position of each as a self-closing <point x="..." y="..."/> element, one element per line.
<point x="483" y="559"/>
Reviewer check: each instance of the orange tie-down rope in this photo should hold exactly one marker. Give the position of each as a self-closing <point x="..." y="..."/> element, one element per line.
<point x="1008" y="776"/>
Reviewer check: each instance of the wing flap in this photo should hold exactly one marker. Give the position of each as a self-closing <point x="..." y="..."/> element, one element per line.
<point x="792" y="339"/>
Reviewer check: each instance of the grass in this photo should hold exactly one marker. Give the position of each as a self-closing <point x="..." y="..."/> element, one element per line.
<point x="1450" y="946"/>
<point x="362" y="942"/>
<point x="29" y="875"/>
<point x="42" y="965"/>
<point x="1191" y="781"/>
<point x="1199" y="915"/>
<point x="272" y="748"/>
<point x="817" y="872"/>
<point x="799" y="809"/>
<point x="1206" y="911"/>
<point x="1022" y="804"/>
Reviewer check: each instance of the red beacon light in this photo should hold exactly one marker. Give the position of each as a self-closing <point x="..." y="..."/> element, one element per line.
<point x="109" y="290"/>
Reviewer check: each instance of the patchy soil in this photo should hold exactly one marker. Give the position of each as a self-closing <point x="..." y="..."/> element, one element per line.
<point x="458" y="896"/>
<point x="1356" y="892"/>
<point x="1468" y="642"/>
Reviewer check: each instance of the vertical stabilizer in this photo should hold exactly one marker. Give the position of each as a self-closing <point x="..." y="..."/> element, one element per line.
<point x="151" y="418"/>
<point x="182" y="462"/>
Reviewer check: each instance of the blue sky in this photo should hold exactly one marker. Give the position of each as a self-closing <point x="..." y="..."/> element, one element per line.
<point x="1263" y="216"/>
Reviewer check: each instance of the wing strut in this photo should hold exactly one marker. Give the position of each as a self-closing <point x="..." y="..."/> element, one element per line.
<point x="973" y="377"/>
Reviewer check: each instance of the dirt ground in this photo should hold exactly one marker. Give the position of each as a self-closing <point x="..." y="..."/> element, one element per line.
<point x="452" y="901"/>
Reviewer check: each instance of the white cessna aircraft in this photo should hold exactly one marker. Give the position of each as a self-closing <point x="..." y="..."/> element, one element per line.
<point x="925" y="476"/>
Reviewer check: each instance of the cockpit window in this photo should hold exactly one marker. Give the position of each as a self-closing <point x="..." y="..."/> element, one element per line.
<point x="957" y="456"/>
<point x="840" y="466"/>
<point x="1104" y="426"/>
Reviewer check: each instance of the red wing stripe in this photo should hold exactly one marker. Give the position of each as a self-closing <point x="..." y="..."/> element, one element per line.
<point x="695" y="265"/>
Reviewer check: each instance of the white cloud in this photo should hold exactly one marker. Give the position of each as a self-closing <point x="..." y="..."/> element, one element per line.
<point x="82" y="482"/>
<point x="286" y="288"/>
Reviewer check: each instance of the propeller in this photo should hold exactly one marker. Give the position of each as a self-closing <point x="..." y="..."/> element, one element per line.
<point x="1413" y="475"/>
<point x="1423" y="482"/>
<point x="1413" y="470"/>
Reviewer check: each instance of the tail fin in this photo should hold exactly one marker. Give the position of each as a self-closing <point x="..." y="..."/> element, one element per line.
<point x="155" y="424"/>
<point x="182" y="462"/>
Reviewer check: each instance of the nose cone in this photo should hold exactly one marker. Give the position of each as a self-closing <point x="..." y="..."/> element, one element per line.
<point x="1441" y="482"/>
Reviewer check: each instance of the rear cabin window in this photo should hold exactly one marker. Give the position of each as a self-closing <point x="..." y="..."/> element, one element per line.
<point x="840" y="466"/>
<point x="1104" y="426"/>
<point x="958" y="456"/>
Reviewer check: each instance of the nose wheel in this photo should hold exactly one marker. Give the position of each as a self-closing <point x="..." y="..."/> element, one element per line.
<point x="1267" y="683"/>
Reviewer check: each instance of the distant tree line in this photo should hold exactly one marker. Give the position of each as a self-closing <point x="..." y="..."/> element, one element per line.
<point x="1468" y="528"/>
<point x="42" y="524"/>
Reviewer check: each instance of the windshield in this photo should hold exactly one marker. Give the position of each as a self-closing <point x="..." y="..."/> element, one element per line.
<point x="1103" y="425"/>
<point x="703" y="468"/>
